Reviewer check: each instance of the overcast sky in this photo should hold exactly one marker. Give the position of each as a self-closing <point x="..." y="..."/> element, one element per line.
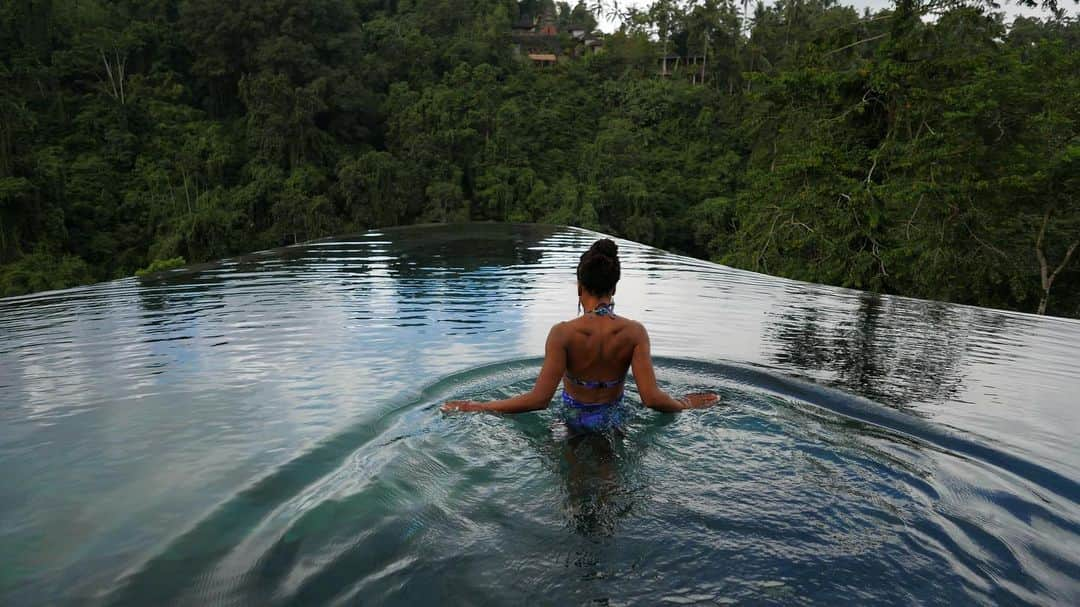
<point x="608" y="24"/>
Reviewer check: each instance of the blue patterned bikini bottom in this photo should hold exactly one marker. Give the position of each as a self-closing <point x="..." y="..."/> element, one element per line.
<point x="593" y="417"/>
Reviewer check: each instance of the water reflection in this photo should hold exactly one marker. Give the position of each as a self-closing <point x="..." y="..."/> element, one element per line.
<point x="132" y="411"/>
<point x="895" y="354"/>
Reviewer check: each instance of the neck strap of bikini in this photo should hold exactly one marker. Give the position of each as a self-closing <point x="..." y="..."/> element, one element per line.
<point x="603" y="309"/>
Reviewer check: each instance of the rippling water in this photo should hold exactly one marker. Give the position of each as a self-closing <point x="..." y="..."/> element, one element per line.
<point x="265" y="430"/>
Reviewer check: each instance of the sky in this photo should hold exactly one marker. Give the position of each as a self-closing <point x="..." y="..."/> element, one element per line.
<point x="610" y="24"/>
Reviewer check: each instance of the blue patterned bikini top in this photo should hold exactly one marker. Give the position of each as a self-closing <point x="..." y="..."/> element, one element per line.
<point x="595" y="384"/>
<point x="603" y="309"/>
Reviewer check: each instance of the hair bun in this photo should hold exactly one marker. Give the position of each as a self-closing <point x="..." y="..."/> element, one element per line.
<point x="598" y="270"/>
<point x="606" y="247"/>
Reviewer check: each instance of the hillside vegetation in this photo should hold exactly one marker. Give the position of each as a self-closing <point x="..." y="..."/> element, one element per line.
<point x="929" y="150"/>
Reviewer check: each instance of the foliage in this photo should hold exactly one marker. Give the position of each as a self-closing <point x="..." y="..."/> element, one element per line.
<point x="161" y="265"/>
<point x="935" y="157"/>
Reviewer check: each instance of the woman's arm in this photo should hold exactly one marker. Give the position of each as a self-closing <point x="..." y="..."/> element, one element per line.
<point x="651" y="394"/>
<point x="537" y="398"/>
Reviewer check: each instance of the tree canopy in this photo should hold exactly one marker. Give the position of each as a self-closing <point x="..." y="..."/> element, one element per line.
<point x="928" y="150"/>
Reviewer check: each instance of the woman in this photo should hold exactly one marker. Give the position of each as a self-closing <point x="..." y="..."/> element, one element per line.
<point x="591" y="355"/>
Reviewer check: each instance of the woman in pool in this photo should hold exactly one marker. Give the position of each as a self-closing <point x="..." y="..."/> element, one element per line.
<point x="591" y="355"/>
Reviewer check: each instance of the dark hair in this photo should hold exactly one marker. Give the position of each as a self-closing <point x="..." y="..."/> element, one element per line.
<point x="598" y="270"/>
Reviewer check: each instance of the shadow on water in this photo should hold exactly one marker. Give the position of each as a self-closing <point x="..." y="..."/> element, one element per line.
<point x="604" y="480"/>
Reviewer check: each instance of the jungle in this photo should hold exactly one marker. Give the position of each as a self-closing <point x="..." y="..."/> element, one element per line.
<point x="929" y="149"/>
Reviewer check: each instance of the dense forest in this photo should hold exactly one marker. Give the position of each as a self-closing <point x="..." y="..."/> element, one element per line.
<point x="929" y="150"/>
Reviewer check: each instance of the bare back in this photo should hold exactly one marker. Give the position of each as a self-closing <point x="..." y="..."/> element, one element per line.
<point x="593" y="349"/>
<point x="591" y="355"/>
<point x="598" y="349"/>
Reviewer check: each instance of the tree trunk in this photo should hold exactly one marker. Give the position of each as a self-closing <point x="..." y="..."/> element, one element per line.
<point x="1045" y="274"/>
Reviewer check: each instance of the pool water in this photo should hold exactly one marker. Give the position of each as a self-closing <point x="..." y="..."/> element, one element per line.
<point x="265" y="431"/>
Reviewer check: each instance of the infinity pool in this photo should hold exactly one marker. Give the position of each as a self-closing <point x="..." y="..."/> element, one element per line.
<point x="265" y="431"/>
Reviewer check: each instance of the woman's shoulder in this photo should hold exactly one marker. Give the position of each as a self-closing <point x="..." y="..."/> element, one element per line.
<point x="633" y="325"/>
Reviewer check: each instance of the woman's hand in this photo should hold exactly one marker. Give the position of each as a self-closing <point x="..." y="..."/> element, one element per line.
<point x="461" y="405"/>
<point x="699" y="400"/>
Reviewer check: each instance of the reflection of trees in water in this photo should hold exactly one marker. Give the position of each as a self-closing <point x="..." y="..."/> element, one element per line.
<point x="461" y="275"/>
<point x="468" y="248"/>
<point x="402" y="306"/>
<point x="894" y="351"/>
<point x="468" y="266"/>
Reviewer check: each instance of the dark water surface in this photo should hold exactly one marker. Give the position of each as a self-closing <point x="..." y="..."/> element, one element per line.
<point x="265" y="431"/>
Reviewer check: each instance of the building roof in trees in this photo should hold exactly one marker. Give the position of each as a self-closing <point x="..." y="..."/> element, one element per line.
<point x="537" y="42"/>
